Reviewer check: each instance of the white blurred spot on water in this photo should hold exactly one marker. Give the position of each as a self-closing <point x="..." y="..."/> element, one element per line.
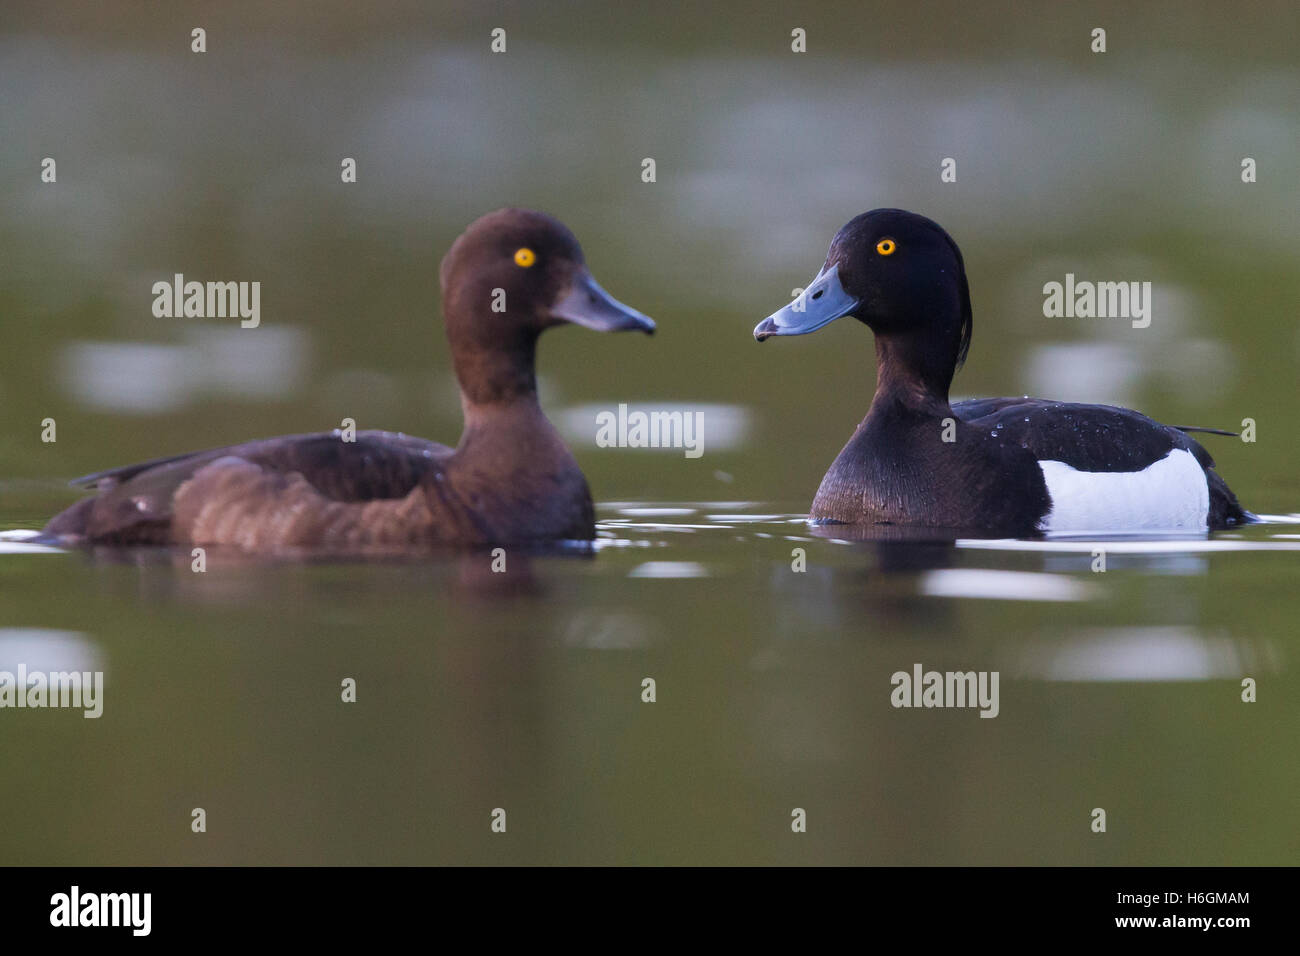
<point x="151" y="378"/>
<point x="126" y="376"/>
<point x="607" y="630"/>
<point x="1145" y="654"/>
<point x="1004" y="585"/>
<point x="18" y="541"/>
<point x="47" y="649"/>
<point x="1097" y="372"/>
<point x="669" y="569"/>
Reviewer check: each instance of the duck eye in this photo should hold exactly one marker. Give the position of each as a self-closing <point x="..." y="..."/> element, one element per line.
<point x="886" y="247"/>
<point x="525" y="257"/>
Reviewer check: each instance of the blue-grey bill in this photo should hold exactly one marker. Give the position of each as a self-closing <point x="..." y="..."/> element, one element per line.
<point x="821" y="303"/>
<point x="587" y="304"/>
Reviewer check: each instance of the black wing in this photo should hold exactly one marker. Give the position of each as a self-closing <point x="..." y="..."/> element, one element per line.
<point x="1098" y="438"/>
<point x="1086" y="437"/>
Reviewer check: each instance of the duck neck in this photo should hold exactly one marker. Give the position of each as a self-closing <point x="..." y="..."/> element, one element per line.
<point x="911" y="376"/>
<point x="501" y="416"/>
<point x="501" y="376"/>
<point x="505" y="424"/>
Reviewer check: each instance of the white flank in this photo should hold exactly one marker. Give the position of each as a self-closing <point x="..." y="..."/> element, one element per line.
<point x="1171" y="494"/>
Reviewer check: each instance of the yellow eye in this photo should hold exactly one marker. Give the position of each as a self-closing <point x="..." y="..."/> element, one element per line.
<point x="886" y="247"/>
<point x="525" y="257"/>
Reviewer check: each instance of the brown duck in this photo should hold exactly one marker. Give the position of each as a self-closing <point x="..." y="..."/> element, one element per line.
<point x="511" y="479"/>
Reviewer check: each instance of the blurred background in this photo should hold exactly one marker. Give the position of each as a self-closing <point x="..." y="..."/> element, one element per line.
<point x="226" y="166"/>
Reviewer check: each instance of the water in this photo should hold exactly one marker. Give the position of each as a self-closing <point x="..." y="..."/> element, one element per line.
<point x="523" y="690"/>
<point x="1118" y="689"/>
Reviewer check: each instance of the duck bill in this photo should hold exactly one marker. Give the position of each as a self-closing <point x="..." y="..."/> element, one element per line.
<point x="586" y="303"/>
<point x="820" y="304"/>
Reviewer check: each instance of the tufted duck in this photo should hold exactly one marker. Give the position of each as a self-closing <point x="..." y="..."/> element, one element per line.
<point x="1014" y="466"/>
<point x="510" y="276"/>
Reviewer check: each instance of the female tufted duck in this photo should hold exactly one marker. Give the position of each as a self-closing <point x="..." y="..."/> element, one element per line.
<point x="511" y="479"/>
<point x="1013" y="466"/>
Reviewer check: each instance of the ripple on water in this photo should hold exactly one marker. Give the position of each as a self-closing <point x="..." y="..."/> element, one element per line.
<point x="20" y="542"/>
<point x="626" y="525"/>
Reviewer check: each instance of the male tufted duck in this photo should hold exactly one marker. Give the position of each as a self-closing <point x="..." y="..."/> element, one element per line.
<point x="511" y="479"/>
<point x="1013" y="466"/>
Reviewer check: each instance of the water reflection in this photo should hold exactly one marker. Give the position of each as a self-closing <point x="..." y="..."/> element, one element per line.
<point x="986" y="584"/>
<point x="1146" y="654"/>
<point x="48" y="649"/>
<point x="150" y="377"/>
<point x="25" y="541"/>
<point x="670" y="569"/>
<point x="227" y="576"/>
<point x="523" y="687"/>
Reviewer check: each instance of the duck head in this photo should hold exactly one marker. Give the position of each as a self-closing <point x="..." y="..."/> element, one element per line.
<point x="510" y="276"/>
<point x="902" y="275"/>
